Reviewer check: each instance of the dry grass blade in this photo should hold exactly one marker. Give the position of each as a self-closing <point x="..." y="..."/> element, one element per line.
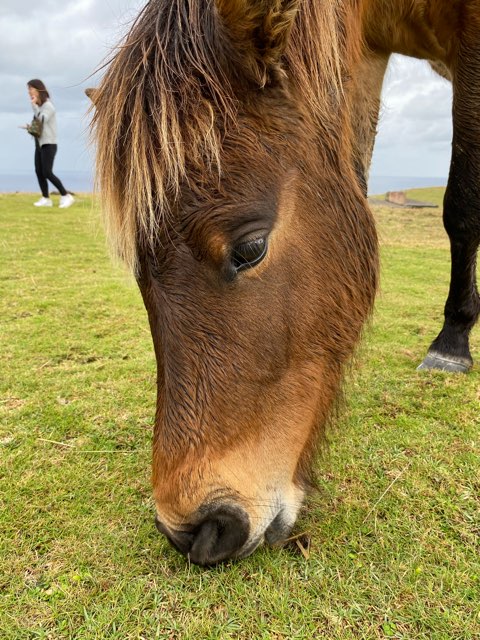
<point x="397" y="477"/>
<point x="73" y="448"/>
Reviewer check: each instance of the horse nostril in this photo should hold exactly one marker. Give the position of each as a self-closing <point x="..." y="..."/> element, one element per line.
<point x="181" y="540"/>
<point x="221" y="534"/>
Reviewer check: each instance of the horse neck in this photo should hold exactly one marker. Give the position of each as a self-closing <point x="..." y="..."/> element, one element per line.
<point x="418" y="28"/>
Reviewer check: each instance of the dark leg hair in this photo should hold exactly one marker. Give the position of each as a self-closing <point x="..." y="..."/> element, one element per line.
<point x="48" y="152"/>
<point x="42" y="181"/>
<point x="450" y="350"/>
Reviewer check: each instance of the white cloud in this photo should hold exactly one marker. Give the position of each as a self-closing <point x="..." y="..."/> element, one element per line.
<point x="415" y="128"/>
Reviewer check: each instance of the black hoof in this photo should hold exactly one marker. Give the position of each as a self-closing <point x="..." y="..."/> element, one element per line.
<point x="435" y="360"/>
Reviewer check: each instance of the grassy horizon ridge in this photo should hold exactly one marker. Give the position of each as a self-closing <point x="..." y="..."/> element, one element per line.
<point x="395" y="525"/>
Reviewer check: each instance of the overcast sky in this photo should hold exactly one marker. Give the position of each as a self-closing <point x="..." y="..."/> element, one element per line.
<point x="63" y="41"/>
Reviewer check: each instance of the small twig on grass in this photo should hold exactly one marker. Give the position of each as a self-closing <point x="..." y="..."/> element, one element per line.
<point x="386" y="491"/>
<point x="299" y="542"/>
<point x="123" y="451"/>
<point x="60" y="444"/>
<point x="72" y="446"/>
<point x="305" y="551"/>
<point x="295" y="537"/>
<point x="45" y="364"/>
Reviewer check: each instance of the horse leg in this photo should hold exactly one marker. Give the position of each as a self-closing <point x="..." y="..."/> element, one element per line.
<point x="450" y="351"/>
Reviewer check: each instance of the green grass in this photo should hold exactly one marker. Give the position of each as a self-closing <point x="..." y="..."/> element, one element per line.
<point x="433" y="195"/>
<point x="428" y="194"/>
<point x="395" y="526"/>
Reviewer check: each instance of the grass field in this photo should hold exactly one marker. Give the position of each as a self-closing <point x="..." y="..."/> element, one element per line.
<point x="395" y="526"/>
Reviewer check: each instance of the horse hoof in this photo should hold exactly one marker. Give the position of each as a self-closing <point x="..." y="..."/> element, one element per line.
<point x="451" y="364"/>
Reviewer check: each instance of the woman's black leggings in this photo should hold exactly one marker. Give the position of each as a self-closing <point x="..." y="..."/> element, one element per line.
<point x="44" y="156"/>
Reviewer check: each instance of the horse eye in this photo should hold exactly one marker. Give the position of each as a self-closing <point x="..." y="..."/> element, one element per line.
<point x="248" y="254"/>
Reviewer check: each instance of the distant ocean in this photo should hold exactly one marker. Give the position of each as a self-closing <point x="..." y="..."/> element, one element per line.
<point x="26" y="181"/>
<point x="82" y="181"/>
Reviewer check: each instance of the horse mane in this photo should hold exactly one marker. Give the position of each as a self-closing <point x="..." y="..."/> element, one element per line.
<point x="169" y="95"/>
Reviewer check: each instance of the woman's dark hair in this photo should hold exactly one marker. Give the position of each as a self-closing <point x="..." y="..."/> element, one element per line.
<point x="41" y="88"/>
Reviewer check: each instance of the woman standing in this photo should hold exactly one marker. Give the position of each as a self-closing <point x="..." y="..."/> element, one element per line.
<point x="46" y="145"/>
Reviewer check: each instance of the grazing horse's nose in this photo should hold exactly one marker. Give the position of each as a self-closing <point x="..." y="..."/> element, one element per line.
<point x="219" y="535"/>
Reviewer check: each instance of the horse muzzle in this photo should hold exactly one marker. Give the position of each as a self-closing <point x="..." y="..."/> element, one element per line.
<point x="222" y="532"/>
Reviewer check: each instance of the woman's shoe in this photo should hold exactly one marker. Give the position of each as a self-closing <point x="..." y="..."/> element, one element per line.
<point x="66" y="201"/>
<point x="43" y="202"/>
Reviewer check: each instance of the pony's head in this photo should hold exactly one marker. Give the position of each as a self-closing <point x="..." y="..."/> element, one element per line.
<point x="226" y="181"/>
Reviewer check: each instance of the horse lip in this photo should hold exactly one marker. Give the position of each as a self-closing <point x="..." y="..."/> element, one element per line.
<point x="249" y="548"/>
<point x="278" y="530"/>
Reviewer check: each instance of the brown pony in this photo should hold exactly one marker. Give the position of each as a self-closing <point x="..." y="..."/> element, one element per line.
<point x="234" y="138"/>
